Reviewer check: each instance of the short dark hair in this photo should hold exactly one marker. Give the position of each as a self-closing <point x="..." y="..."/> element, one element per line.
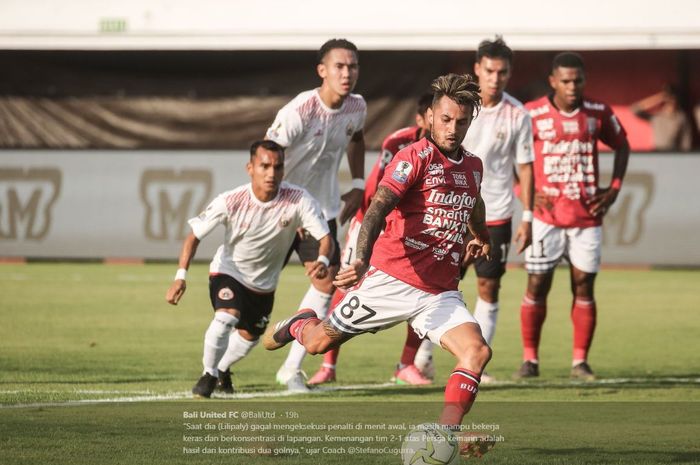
<point x="494" y="49"/>
<point x="266" y="144"/>
<point x="335" y="43"/>
<point x="567" y="60"/>
<point x="424" y="102"/>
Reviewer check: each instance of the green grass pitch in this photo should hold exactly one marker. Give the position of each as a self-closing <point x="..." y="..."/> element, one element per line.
<point x="95" y="367"/>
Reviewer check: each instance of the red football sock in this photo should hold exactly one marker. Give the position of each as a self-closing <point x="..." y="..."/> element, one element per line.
<point x="297" y="328"/>
<point x="532" y="315"/>
<point x="331" y="357"/>
<point x="460" y="393"/>
<point x="410" y="347"/>
<point x="583" y="315"/>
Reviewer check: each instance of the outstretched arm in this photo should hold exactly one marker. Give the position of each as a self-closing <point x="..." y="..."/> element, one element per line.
<point x="645" y="105"/>
<point x="382" y="204"/>
<point x="177" y="288"/>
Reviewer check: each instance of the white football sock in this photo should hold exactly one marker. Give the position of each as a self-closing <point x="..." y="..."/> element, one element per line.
<point x="216" y="340"/>
<point x="319" y="302"/>
<point x="238" y="347"/>
<point x="296" y="355"/>
<point x="424" y="353"/>
<point x="486" y="314"/>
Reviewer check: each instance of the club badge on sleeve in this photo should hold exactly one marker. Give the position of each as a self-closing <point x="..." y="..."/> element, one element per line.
<point x="403" y="169"/>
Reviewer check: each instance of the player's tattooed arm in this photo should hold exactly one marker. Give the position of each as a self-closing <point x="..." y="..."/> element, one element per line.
<point x="372" y="224"/>
<point x="383" y="202"/>
<point x="332" y="333"/>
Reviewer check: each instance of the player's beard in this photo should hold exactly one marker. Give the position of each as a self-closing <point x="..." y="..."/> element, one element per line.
<point x="447" y="151"/>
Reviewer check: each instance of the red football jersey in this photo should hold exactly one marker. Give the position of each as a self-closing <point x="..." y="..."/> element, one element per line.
<point x="391" y="145"/>
<point x="426" y="234"/>
<point x="566" y="157"/>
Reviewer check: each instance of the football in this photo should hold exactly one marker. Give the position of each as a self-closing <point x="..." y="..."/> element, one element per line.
<point x="430" y="444"/>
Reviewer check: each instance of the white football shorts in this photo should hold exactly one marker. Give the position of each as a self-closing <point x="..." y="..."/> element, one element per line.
<point x="382" y="301"/>
<point x="580" y="246"/>
<point x="347" y="256"/>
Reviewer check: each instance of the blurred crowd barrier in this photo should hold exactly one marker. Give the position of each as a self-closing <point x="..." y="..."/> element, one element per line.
<point x="135" y="204"/>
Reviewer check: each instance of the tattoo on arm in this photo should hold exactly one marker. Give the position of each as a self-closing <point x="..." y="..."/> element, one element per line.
<point x="382" y="203"/>
<point x="331" y="331"/>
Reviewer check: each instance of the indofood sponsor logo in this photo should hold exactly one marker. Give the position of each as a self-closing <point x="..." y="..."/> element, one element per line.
<point x="456" y="201"/>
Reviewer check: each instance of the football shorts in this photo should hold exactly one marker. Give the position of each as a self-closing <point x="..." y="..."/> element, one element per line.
<point x="381" y="301"/>
<point x="580" y="246"/>
<point x="255" y="309"/>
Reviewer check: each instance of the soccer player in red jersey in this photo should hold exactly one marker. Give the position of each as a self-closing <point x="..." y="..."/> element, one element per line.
<point x="407" y="373"/>
<point x="429" y="200"/>
<point x="569" y="206"/>
<point x="502" y="137"/>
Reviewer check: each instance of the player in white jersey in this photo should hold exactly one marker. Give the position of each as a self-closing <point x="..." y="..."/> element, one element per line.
<point x="261" y="220"/>
<point x="502" y="137"/>
<point x="317" y="127"/>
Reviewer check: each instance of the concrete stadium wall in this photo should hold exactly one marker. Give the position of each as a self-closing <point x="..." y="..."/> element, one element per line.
<point x="386" y="25"/>
<point x="135" y="204"/>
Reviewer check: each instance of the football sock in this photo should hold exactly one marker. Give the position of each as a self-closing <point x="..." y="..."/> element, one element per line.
<point x="238" y="347"/>
<point x="532" y="316"/>
<point x="318" y="302"/>
<point x="583" y="315"/>
<point x="424" y="353"/>
<point x="330" y="358"/>
<point x="486" y="314"/>
<point x="410" y="347"/>
<point x="297" y="329"/>
<point x="216" y="339"/>
<point x="460" y="393"/>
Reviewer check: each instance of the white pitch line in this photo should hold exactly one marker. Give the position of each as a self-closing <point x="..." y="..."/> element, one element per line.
<point x="186" y="395"/>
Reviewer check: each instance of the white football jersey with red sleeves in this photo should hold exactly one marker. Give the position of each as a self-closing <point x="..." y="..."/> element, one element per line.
<point x="258" y="234"/>
<point x="502" y="137"/>
<point x="316" y="137"/>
